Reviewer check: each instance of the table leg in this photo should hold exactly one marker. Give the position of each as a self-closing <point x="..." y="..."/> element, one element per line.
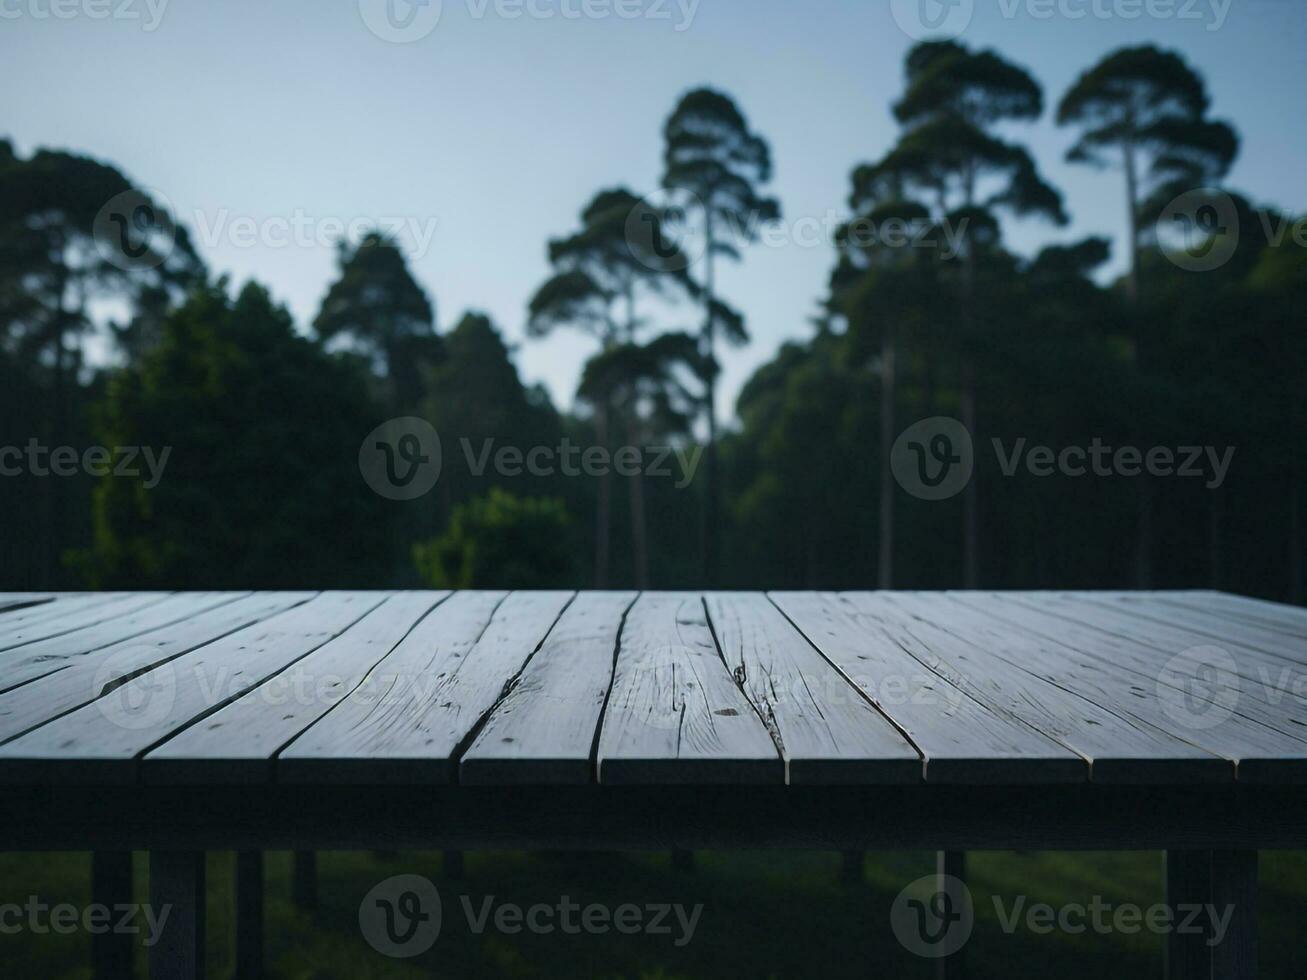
<point x="851" y="867"/>
<point x="249" y="915"/>
<point x="304" y="880"/>
<point x="951" y="868"/>
<point x="111" y="885"/>
<point x="453" y="865"/>
<point x="1188" y="884"/>
<point x="1234" y="894"/>
<point x="177" y="890"/>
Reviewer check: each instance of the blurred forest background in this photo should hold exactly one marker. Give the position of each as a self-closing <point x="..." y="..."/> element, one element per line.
<point x="265" y="417"/>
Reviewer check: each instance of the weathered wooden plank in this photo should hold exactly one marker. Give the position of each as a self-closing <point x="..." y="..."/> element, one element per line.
<point x="45" y="622"/>
<point x="1214" y="627"/>
<point x="1279" y="616"/>
<point x="544" y="731"/>
<point x="827" y="730"/>
<point x="1264" y="686"/>
<point x="1118" y="745"/>
<point x="43" y="657"/>
<point x="675" y="714"/>
<point x="238" y="743"/>
<point x="415" y="710"/>
<point x="961" y="740"/>
<point x="1100" y="666"/>
<point x="60" y="604"/>
<point x="11" y="601"/>
<point x="101" y="741"/>
<point x="85" y="677"/>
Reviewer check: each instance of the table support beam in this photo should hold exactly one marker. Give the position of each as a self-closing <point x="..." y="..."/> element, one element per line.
<point x="951" y="870"/>
<point x="111" y="886"/>
<point x="177" y="887"/>
<point x="304" y="881"/>
<point x="1188" y="953"/>
<point x="1234" y="892"/>
<point x="249" y="915"/>
<point x="1223" y="884"/>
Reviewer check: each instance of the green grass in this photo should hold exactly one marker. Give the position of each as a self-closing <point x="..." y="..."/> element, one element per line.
<point x="769" y="914"/>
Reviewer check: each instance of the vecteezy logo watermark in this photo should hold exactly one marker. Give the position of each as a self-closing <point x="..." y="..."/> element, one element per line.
<point x="135" y="230"/>
<point x="401" y="917"/>
<point x="664" y="231"/>
<point x="933" y="916"/>
<point x="400" y="21"/>
<point x="405" y="21"/>
<point x="933" y="459"/>
<point x="64" y="919"/>
<point x="1201" y="228"/>
<point x="932" y="19"/>
<point x="149" y="13"/>
<point x="922" y="19"/>
<point x="36" y="459"/>
<point x="129" y="694"/>
<point x="400" y="459"/>
<point x="1199" y="688"/>
<point x="299" y="229"/>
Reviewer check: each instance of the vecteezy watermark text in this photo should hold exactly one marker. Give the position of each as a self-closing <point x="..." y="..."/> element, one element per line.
<point x="401" y="917"/>
<point x="36" y="459"/>
<point x="934" y="459"/>
<point x="64" y="919"/>
<point x="934" y="917"/>
<point x="402" y="459"/>
<point x="932" y="19"/>
<point x="406" y="21"/>
<point x="149" y="13"/>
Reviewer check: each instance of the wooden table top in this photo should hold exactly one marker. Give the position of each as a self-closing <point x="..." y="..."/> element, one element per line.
<point x="537" y="688"/>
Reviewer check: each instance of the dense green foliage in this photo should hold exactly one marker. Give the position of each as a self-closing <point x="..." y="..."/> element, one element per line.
<point x="263" y="423"/>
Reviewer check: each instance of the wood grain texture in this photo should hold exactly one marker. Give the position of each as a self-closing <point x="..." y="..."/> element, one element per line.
<point x="413" y="712"/>
<point x="1099" y="665"/>
<point x="544" y="730"/>
<point x="1264" y="688"/>
<point x="1001" y="670"/>
<point x="1273" y="615"/>
<point x="11" y="601"/>
<point x="239" y="742"/>
<point x="675" y="713"/>
<point x="827" y="730"/>
<point x="100" y="742"/>
<point x="40" y="658"/>
<point x="66" y="616"/>
<point x="1202" y="627"/>
<point x="86" y="677"/>
<point x="961" y="739"/>
<point x="68" y="602"/>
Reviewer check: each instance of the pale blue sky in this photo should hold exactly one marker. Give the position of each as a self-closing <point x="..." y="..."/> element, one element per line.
<point x="499" y="129"/>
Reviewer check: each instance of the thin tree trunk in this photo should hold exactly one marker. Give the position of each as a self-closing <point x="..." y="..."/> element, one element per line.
<point x="58" y="511"/>
<point x="1144" y="526"/>
<point x="635" y="485"/>
<point x="603" y="516"/>
<point x="708" y="530"/>
<point x="967" y="406"/>
<point x="967" y="403"/>
<point x="885" y="564"/>
<point x="1132" y="202"/>
<point x="1215" y="519"/>
<point x="1295" y="545"/>
<point x="971" y="495"/>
